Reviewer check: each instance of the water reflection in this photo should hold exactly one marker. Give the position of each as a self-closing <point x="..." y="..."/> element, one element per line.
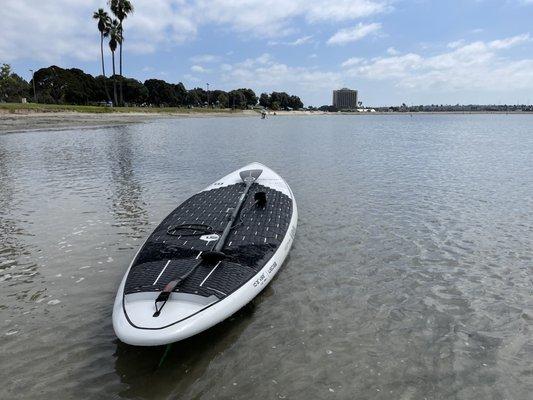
<point x="129" y="208"/>
<point x="13" y="248"/>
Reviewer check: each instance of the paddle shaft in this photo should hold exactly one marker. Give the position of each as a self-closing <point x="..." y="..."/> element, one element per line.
<point x="224" y="237"/>
<point x="169" y="287"/>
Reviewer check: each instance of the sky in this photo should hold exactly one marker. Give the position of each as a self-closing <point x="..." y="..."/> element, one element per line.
<point x="392" y="51"/>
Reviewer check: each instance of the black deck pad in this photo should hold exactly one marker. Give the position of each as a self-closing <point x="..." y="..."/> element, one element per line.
<point x="252" y="242"/>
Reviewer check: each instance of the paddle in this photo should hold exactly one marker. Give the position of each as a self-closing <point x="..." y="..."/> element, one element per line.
<point x="215" y="254"/>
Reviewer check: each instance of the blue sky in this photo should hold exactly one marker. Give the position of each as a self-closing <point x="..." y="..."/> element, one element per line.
<point x="417" y="52"/>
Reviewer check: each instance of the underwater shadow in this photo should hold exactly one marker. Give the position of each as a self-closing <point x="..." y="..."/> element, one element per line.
<point x="161" y="371"/>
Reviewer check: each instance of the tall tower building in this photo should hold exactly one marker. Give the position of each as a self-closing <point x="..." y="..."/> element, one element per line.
<point x="345" y="99"/>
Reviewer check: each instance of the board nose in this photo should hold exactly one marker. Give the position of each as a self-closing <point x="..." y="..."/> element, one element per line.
<point x="250" y="174"/>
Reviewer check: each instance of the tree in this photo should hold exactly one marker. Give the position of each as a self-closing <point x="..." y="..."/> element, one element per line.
<point x="77" y="87"/>
<point x="197" y="97"/>
<point x="274" y="105"/>
<point x="281" y="98"/>
<point x="251" y="98"/>
<point x="17" y="89"/>
<point x="222" y="99"/>
<point x="104" y="21"/>
<point x="121" y="9"/>
<point x="50" y="84"/>
<point x="160" y="93"/>
<point x="115" y="38"/>
<point x="180" y="94"/>
<point x="134" y="91"/>
<point x="328" y="108"/>
<point x="295" y="103"/>
<point x="12" y="87"/>
<point x="264" y="100"/>
<point x="71" y="86"/>
<point x="5" y="74"/>
<point x="237" y="99"/>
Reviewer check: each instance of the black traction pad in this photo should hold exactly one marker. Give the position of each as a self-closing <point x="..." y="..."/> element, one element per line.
<point x="252" y="242"/>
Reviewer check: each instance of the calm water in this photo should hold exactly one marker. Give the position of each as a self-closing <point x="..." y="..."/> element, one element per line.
<point x="410" y="277"/>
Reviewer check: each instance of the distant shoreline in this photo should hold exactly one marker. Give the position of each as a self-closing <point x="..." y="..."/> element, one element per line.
<point x="62" y="120"/>
<point x="29" y="119"/>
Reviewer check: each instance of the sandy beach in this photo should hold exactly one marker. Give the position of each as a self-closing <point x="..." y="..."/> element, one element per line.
<point x="35" y="121"/>
<point x="21" y="121"/>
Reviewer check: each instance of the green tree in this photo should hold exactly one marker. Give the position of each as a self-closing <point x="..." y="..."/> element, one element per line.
<point x="5" y="74"/>
<point x="193" y="98"/>
<point x="180" y="94"/>
<point x="264" y="100"/>
<point x="12" y="87"/>
<point x="222" y="100"/>
<point x="295" y="103"/>
<point x="274" y="105"/>
<point x="134" y="91"/>
<point x="197" y="97"/>
<point x="237" y="99"/>
<point x="115" y="38"/>
<point x="121" y="9"/>
<point x="160" y="93"/>
<point x="50" y="84"/>
<point x="103" y="26"/>
<point x="79" y="87"/>
<point x="251" y="98"/>
<point x="281" y="98"/>
<point x="17" y="89"/>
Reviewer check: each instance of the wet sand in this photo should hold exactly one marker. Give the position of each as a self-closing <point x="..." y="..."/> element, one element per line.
<point x="21" y="122"/>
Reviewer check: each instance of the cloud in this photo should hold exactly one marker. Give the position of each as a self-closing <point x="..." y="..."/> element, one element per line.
<point x="54" y="30"/>
<point x="297" y="42"/>
<point x="264" y="73"/>
<point x="456" y="44"/>
<point x="345" y="10"/>
<point x="358" y="32"/>
<point x="352" y="61"/>
<point x="465" y="66"/>
<point x="510" y="42"/>
<point x="205" y="58"/>
<point x="45" y="31"/>
<point x="275" y="18"/>
<point x="199" y="69"/>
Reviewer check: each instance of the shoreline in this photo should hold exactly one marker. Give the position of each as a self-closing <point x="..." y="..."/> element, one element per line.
<point x="29" y="120"/>
<point x="63" y="120"/>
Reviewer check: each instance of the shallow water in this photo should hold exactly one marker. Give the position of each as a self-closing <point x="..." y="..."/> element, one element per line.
<point x="410" y="276"/>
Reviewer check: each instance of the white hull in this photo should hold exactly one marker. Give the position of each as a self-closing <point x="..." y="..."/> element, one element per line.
<point x="194" y="317"/>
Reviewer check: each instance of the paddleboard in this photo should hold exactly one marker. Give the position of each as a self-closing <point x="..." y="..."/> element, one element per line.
<point x="180" y="284"/>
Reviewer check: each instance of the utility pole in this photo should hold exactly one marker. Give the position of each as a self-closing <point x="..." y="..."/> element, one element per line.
<point x="33" y="81"/>
<point x="207" y="95"/>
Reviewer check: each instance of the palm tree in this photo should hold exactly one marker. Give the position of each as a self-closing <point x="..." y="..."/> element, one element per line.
<point x="115" y="38"/>
<point x="103" y="26"/>
<point x="121" y="9"/>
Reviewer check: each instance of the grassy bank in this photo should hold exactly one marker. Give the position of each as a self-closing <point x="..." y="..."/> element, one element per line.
<point x="19" y="108"/>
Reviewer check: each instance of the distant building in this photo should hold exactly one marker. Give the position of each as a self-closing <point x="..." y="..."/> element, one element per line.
<point x="345" y="99"/>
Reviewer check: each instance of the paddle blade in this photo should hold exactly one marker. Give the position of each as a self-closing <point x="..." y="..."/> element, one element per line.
<point x="250" y="174"/>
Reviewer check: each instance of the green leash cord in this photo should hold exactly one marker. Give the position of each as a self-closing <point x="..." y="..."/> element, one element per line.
<point x="164" y="356"/>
